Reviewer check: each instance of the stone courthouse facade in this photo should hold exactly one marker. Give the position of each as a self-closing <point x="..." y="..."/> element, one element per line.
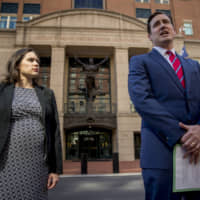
<point x="85" y="46"/>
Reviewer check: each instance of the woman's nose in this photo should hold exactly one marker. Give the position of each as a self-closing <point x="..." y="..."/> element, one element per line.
<point x="36" y="63"/>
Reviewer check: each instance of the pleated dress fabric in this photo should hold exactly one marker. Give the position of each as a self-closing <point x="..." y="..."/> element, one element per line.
<point x="23" y="171"/>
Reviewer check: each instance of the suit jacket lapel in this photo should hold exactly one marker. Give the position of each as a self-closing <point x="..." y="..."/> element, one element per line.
<point x="169" y="70"/>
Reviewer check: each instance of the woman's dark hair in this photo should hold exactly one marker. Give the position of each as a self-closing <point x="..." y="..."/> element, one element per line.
<point x="152" y="16"/>
<point x="12" y="75"/>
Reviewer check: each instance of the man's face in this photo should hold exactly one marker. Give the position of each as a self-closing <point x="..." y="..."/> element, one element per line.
<point x="162" y="31"/>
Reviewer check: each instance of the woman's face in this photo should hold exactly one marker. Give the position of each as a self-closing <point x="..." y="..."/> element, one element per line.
<point x="29" y="66"/>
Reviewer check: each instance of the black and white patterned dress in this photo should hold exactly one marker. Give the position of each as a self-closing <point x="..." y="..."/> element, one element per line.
<point x="23" y="171"/>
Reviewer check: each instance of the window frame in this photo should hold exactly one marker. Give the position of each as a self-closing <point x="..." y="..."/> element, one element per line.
<point x="81" y="75"/>
<point x="147" y="9"/>
<point x="162" y="2"/>
<point x="142" y="1"/>
<point x="188" y="22"/>
<point x="9" y="13"/>
<point x="165" y="11"/>
<point x="8" y="20"/>
<point x="30" y="16"/>
<point x="24" y="13"/>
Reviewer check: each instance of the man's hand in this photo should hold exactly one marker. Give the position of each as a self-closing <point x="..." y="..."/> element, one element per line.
<point x="52" y="180"/>
<point x="193" y="157"/>
<point x="191" y="141"/>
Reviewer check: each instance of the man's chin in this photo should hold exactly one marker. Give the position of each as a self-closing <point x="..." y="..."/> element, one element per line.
<point x="165" y="43"/>
<point x="167" y="40"/>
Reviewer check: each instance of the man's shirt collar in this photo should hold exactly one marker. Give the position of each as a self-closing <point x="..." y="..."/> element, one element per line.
<point x="163" y="51"/>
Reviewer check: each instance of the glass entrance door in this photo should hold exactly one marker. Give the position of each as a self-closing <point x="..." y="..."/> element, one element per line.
<point x="97" y="144"/>
<point x="89" y="145"/>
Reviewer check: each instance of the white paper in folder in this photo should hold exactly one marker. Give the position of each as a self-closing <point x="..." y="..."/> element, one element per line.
<point x="186" y="176"/>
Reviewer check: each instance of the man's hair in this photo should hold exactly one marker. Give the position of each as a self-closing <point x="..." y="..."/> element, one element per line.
<point x="153" y="15"/>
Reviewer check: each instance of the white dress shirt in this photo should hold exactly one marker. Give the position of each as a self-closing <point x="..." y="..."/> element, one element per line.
<point x="163" y="51"/>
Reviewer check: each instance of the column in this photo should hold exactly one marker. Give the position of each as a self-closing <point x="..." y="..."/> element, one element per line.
<point x="57" y="78"/>
<point x="124" y="132"/>
<point x="121" y="74"/>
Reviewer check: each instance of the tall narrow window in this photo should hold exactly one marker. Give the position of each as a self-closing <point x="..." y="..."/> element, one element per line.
<point x="3" y="21"/>
<point x="12" y="24"/>
<point x="88" y="4"/>
<point x="187" y="28"/>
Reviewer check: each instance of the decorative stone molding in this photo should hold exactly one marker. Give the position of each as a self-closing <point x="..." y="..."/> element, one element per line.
<point x="83" y="27"/>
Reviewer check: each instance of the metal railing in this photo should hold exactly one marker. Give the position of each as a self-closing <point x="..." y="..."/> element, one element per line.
<point x="77" y="108"/>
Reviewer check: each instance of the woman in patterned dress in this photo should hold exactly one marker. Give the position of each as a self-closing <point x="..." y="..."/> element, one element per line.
<point x="30" y="145"/>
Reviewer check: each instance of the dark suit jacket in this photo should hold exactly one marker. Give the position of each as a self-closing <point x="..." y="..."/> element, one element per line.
<point x="53" y="152"/>
<point x="162" y="102"/>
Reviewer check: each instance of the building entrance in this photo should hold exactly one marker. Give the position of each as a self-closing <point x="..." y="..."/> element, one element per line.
<point x="97" y="144"/>
<point x="89" y="145"/>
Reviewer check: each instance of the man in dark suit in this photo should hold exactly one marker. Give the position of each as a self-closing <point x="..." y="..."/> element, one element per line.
<point x="165" y="89"/>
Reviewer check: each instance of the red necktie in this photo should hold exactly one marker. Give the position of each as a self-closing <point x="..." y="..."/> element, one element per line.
<point x="177" y="67"/>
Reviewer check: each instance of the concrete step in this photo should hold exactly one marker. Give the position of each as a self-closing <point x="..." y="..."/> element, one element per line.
<point x="100" y="167"/>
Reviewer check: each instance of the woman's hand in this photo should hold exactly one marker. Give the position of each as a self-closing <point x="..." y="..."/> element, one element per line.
<point x="52" y="180"/>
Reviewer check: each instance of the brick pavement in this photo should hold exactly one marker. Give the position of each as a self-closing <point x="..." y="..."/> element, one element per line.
<point x="100" y="167"/>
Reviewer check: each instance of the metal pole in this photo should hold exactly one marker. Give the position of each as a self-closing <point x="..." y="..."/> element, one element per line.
<point x="116" y="162"/>
<point x="84" y="158"/>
